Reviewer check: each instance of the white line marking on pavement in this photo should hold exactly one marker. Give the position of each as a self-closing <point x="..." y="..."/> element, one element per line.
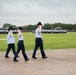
<point x="2" y="39"/>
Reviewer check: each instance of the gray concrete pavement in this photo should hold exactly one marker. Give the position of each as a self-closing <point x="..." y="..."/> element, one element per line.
<point x="59" y="62"/>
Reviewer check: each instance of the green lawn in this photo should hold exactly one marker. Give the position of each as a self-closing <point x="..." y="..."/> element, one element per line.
<point x="51" y="41"/>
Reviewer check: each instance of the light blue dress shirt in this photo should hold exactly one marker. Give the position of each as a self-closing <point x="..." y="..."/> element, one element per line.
<point x="20" y="36"/>
<point x="10" y="38"/>
<point x="38" y="34"/>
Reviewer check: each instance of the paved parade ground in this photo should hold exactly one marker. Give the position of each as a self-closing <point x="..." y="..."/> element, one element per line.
<point x="59" y="62"/>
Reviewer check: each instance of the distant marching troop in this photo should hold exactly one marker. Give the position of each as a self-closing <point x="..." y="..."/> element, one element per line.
<point x="11" y="43"/>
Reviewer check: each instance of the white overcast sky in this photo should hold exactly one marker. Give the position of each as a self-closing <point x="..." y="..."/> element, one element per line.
<point x="22" y="12"/>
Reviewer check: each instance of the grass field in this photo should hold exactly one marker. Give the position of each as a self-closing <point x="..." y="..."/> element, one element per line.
<point x="51" y="41"/>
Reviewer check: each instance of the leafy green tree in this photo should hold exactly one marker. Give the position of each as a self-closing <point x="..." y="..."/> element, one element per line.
<point x="47" y="26"/>
<point x="14" y="27"/>
<point x="30" y="27"/>
<point x="6" y="25"/>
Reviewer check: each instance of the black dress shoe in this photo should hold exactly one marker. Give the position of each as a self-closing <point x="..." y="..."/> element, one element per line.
<point x="44" y="57"/>
<point x="7" y="57"/>
<point x="34" y="57"/>
<point x="27" y="59"/>
<point x="15" y="60"/>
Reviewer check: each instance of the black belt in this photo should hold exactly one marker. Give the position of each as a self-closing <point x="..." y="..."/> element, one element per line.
<point x="38" y="38"/>
<point x="20" y="40"/>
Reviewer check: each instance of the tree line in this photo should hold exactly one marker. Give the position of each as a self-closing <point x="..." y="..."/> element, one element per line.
<point x="48" y="26"/>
